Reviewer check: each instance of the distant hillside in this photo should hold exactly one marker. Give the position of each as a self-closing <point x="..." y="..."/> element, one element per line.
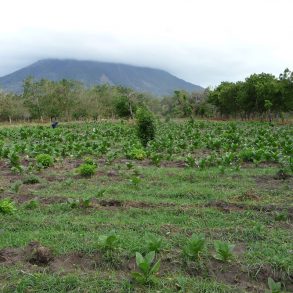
<point x="142" y="79"/>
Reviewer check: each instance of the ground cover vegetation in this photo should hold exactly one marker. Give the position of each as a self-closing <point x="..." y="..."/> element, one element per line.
<point x="146" y="206"/>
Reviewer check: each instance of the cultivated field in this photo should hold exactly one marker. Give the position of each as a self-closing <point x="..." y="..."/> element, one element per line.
<point x="213" y="200"/>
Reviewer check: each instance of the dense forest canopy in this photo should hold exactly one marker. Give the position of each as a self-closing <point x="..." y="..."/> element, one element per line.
<point x="260" y="95"/>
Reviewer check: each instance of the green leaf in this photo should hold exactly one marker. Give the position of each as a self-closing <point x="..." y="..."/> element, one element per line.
<point x="139" y="258"/>
<point x="155" y="267"/>
<point x="150" y="257"/>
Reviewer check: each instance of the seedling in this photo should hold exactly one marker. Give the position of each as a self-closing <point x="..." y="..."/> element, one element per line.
<point x="15" y="187"/>
<point x="32" y="204"/>
<point x="224" y="251"/>
<point x="147" y="269"/>
<point x="153" y="243"/>
<point x="108" y="242"/>
<point x="275" y="287"/>
<point x="7" y="206"/>
<point x="194" y="246"/>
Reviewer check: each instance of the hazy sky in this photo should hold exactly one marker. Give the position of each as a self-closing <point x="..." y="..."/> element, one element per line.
<point x="201" y="41"/>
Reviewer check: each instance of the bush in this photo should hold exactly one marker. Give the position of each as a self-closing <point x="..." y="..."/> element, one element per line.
<point x="146" y="127"/>
<point x="44" y="160"/>
<point x="86" y="170"/>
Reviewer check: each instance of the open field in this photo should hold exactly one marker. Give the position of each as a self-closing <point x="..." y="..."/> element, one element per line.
<point x="229" y="181"/>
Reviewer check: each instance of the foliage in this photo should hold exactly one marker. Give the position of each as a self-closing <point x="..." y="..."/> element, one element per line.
<point x="7" y="206"/>
<point x="147" y="269"/>
<point x="45" y="160"/>
<point x="194" y="246"/>
<point x="31" y="179"/>
<point x="275" y="287"/>
<point x="146" y="127"/>
<point x="153" y="243"/>
<point x="224" y="251"/>
<point x="86" y="170"/>
<point x="108" y="242"/>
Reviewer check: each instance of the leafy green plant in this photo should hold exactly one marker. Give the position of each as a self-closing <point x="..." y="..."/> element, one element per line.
<point x="79" y="203"/>
<point x="275" y="287"/>
<point x="147" y="267"/>
<point x="135" y="180"/>
<point x="146" y="127"/>
<point x="224" y="251"/>
<point x="44" y="160"/>
<point x="89" y="161"/>
<point x="86" y="170"/>
<point x="153" y="243"/>
<point x="31" y="179"/>
<point x="281" y="216"/>
<point x="7" y="206"/>
<point x="136" y="154"/>
<point x="32" y="204"/>
<point x="189" y="161"/>
<point x="194" y="246"/>
<point x="108" y="242"/>
<point x="15" y="187"/>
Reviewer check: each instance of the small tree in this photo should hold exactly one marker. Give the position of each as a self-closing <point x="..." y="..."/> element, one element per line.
<point x="146" y="127"/>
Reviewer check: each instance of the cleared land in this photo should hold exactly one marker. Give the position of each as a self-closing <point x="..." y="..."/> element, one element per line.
<point x="230" y="181"/>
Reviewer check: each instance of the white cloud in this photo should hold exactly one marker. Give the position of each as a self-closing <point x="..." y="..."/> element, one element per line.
<point x="204" y="42"/>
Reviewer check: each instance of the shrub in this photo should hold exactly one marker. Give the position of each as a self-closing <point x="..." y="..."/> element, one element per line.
<point x="7" y="206"/>
<point x="145" y="126"/>
<point x="86" y="170"/>
<point x="45" y="160"/>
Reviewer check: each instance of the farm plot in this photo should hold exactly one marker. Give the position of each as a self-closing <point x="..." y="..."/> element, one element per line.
<point x="205" y="207"/>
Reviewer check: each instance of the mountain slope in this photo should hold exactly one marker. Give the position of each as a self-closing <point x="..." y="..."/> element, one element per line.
<point x="142" y="79"/>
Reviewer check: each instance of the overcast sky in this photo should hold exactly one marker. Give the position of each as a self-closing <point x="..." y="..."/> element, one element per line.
<point x="201" y="41"/>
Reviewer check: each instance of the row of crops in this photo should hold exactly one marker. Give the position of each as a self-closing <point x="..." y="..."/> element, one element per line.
<point x="197" y="143"/>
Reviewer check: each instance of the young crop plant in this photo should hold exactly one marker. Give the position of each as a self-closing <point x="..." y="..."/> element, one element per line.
<point x="86" y="170"/>
<point x="14" y="161"/>
<point x="194" y="246"/>
<point x="189" y="161"/>
<point x="32" y="204"/>
<point x="15" y="187"/>
<point x="153" y="243"/>
<point x="224" y="251"/>
<point x="79" y="203"/>
<point x="109" y="245"/>
<point x="31" y="179"/>
<point x="44" y="160"/>
<point x="7" y="206"/>
<point x="147" y="268"/>
<point x="275" y="287"/>
<point x="108" y="242"/>
<point x="136" y="154"/>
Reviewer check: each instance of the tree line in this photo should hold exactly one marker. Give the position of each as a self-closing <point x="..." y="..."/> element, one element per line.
<point x="259" y="95"/>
